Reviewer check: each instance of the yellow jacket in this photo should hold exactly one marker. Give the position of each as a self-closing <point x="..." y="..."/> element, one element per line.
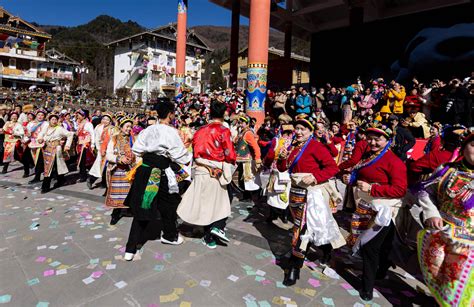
<point x="395" y="99"/>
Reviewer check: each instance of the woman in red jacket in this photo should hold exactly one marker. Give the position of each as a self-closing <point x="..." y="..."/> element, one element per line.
<point x="311" y="166"/>
<point x="381" y="182"/>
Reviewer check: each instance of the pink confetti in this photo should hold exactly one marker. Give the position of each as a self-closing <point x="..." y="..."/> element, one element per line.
<point x="122" y="249"/>
<point x="40" y="259"/>
<point x="266" y="282"/>
<point x="314" y="282"/>
<point x="48" y="273"/>
<point x="346" y="286"/>
<point x="159" y="256"/>
<point x="97" y="274"/>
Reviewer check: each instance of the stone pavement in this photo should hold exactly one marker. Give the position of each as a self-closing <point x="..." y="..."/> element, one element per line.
<point x="58" y="249"/>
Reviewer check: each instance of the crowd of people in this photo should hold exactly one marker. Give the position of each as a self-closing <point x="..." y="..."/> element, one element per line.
<point x="317" y="153"/>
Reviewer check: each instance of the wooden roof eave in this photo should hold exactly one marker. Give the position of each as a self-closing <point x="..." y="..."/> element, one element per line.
<point x="156" y="35"/>
<point x="14" y="30"/>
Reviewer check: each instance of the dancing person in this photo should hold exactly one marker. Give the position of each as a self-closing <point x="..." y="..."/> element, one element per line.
<point x="13" y="132"/>
<point x="155" y="187"/>
<point x="53" y="152"/>
<point x="381" y="181"/>
<point x="206" y="202"/>
<point x="120" y="160"/>
<point x="311" y="166"/>
<point x="446" y="245"/>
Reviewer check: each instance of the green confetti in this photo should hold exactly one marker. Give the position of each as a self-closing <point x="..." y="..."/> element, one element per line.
<point x="328" y="301"/>
<point x="264" y="304"/>
<point x="259" y="278"/>
<point x="33" y="282"/>
<point x="159" y="267"/>
<point x="5" y="299"/>
<point x="279" y="284"/>
<point x="42" y="304"/>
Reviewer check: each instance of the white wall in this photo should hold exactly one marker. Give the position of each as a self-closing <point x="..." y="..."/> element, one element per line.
<point x="122" y="63"/>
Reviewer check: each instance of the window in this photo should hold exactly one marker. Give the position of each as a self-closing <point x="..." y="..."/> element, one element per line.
<point x="243" y="69"/>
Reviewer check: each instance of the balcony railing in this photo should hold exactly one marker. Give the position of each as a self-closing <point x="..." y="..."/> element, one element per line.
<point x="25" y="52"/>
<point x="20" y="73"/>
<point x="54" y="75"/>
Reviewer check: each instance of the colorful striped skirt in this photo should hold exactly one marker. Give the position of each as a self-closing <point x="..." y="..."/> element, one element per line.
<point x="117" y="188"/>
<point x="49" y="156"/>
<point x="297" y="205"/>
<point x="447" y="266"/>
<point x="362" y="220"/>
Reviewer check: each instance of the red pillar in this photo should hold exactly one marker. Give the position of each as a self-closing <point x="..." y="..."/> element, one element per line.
<point x="234" y="42"/>
<point x="257" y="67"/>
<point x="181" y="46"/>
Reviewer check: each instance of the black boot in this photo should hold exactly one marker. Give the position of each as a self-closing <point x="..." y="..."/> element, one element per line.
<point x="5" y="168"/>
<point x="90" y="182"/>
<point x="36" y="179"/>
<point x="26" y="174"/>
<point x="291" y="276"/>
<point x="60" y="182"/>
<point x="46" y="186"/>
<point x="115" y="216"/>
<point x="366" y="296"/>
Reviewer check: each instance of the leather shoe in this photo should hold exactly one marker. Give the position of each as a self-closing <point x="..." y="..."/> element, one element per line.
<point x="115" y="219"/>
<point x="291" y="276"/>
<point x="365" y="296"/>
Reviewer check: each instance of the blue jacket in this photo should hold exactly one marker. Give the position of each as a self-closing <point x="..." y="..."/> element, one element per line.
<point x="303" y="104"/>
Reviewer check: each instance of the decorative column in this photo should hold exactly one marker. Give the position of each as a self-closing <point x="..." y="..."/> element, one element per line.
<point x="181" y="47"/>
<point x="257" y="67"/>
<point x="234" y="43"/>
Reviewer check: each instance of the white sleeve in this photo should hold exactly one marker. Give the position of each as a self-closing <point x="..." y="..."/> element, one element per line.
<point x="90" y="128"/>
<point x="140" y="145"/>
<point x="427" y="200"/>
<point x="97" y="135"/>
<point x="110" y="155"/>
<point x="177" y="152"/>
<point x="68" y="135"/>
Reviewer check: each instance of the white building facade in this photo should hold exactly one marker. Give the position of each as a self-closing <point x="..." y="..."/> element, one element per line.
<point x="145" y="63"/>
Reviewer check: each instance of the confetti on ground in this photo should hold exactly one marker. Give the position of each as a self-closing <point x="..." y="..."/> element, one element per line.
<point x="5" y="299"/>
<point x="330" y="273"/>
<point x="185" y="304"/>
<point x="97" y="274"/>
<point x="159" y="267"/>
<point x="191" y="283"/>
<point x="328" y="301"/>
<point x="121" y="284"/>
<point x="249" y="297"/>
<point x="205" y="283"/>
<point x="314" y="282"/>
<point x="173" y="296"/>
<point x="346" y="286"/>
<point x="48" y="273"/>
<point x="42" y="304"/>
<point x="33" y="282"/>
<point x="233" y="278"/>
<point x="88" y="280"/>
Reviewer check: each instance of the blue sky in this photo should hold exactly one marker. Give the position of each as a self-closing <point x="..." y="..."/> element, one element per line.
<point x="148" y="13"/>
